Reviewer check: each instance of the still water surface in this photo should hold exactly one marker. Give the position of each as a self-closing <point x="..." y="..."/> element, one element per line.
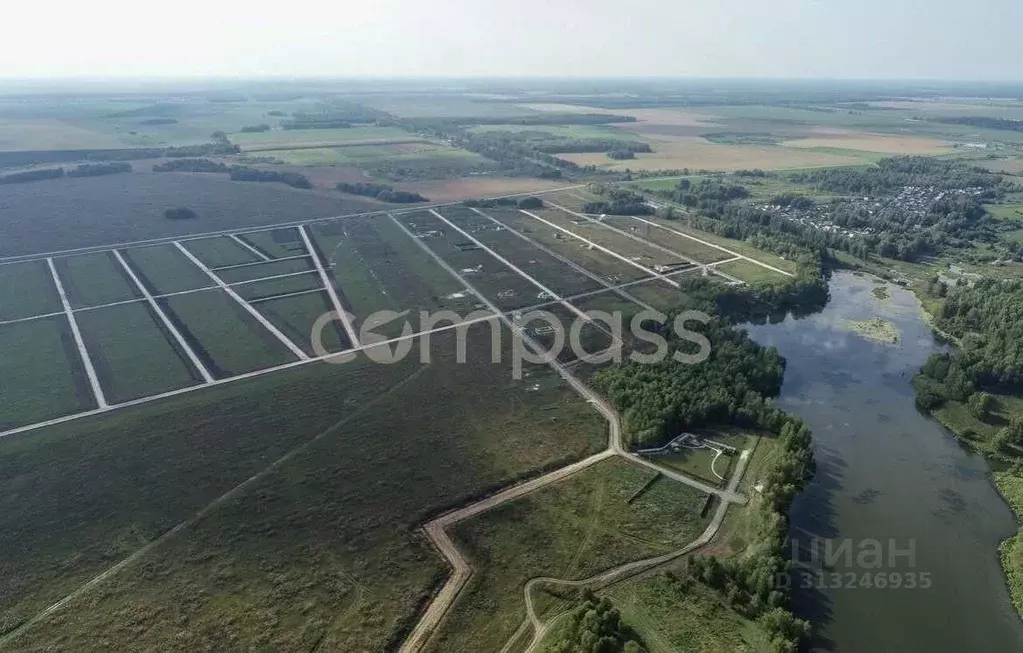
<point x="889" y="480"/>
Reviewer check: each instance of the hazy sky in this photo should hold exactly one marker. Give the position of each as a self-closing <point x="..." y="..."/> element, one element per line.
<point x="947" y="39"/>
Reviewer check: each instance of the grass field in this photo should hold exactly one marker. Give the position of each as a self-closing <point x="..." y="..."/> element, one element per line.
<point x="751" y="272"/>
<point x="284" y="138"/>
<point x="295" y="316"/>
<point x="601" y="263"/>
<point x="132" y="353"/>
<point x="165" y="269"/>
<point x="321" y="549"/>
<point x="42" y="373"/>
<point x="632" y="249"/>
<point x="684" y="246"/>
<point x="95" y="279"/>
<point x="27" y="289"/>
<point x="276" y="243"/>
<point x="231" y="340"/>
<point x="571" y="530"/>
<point x="380" y="153"/>
<point x="671" y="616"/>
<point x="267" y="269"/>
<point x="273" y="287"/>
<point x="220" y="250"/>
<point x="1005" y="211"/>
<point x="59" y="214"/>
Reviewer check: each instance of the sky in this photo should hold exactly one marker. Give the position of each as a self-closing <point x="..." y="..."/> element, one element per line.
<point x="865" y="39"/>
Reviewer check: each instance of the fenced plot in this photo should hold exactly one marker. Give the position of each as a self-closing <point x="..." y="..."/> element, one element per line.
<point x="221" y="250"/>
<point x="296" y="316"/>
<point x="164" y="269"/>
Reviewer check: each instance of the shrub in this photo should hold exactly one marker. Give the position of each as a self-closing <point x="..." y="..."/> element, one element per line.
<point x="180" y="213"/>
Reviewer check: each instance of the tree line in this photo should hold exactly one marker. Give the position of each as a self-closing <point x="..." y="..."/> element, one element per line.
<point x="594" y="626"/>
<point x="382" y="192"/>
<point x="83" y="170"/>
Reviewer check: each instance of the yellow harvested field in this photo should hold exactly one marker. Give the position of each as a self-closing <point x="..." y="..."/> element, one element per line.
<point x="450" y="190"/>
<point x="869" y="142"/>
<point x="674" y="117"/>
<point x="700" y="154"/>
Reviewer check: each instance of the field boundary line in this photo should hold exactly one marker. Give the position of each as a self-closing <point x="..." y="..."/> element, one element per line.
<point x="250" y="248"/>
<point x="252" y="263"/>
<point x="517" y="270"/>
<point x="289" y="294"/>
<point x="164" y="240"/>
<point x="569" y="262"/>
<point x="205" y="373"/>
<point x="244" y="304"/>
<point x="710" y="244"/>
<point x="597" y="246"/>
<point x="90" y="371"/>
<point x="644" y="241"/>
<point x="328" y="285"/>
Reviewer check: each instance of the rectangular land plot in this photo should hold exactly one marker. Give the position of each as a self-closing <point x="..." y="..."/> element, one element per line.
<point x="610" y="268"/>
<point x="503" y="286"/>
<point x="276" y="243"/>
<point x="164" y="269"/>
<point x="264" y="270"/>
<point x="220" y="250"/>
<point x="548" y="270"/>
<point x="295" y="316"/>
<point x="27" y="289"/>
<point x="662" y="296"/>
<point x="224" y="335"/>
<point x="600" y="234"/>
<point x="95" y="279"/>
<point x="684" y="246"/>
<point x="750" y="272"/>
<point x="377" y="267"/>
<point x="41" y="375"/>
<point x="258" y="290"/>
<point x="133" y="355"/>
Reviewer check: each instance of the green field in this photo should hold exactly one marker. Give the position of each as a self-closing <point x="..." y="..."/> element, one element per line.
<point x="673" y="615"/>
<point x="276" y="243"/>
<point x="219" y="251"/>
<point x="1005" y="211"/>
<point x="382" y="153"/>
<point x="27" y="289"/>
<point x="42" y="373"/>
<point x="326" y="532"/>
<point x="133" y="354"/>
<point x="602" y="132"/>
<point x="685" y="246"/>
<point x="223" y="332"/>
<point x="295" y="316"/>
<point x="1010" y="484"/>
<point x="95" y="279"/>
<point x="284" y="138"/>
<point x="750" y="272"/>
<point x="272" y="287"/>
<point x="571" y="530"/>
<point x="378" y="267"/>
<point x="267" y="269"/>
<point x="165" y="269"/>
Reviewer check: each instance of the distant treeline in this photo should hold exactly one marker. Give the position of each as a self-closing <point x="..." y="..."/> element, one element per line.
<point x="570" y="145"/>
<point x="159" y="121"/>
<point x="621" y="155"/>
<point x="314" y="122"/>
<point x="538" y="119"/>
<point x="84" y="170"/>
<point x="294" y="179"/>
<point x="255" y="129"/>
<point x="1005" y="124"/>
<point x="495" y="202"/>
<point x="191" y="165"/>
<point x="620" y="201"/>
<point x="43" y="157"/>
<point x="382" y="192"/>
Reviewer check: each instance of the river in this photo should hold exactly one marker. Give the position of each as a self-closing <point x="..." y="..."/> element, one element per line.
<point x="889" y="481"/>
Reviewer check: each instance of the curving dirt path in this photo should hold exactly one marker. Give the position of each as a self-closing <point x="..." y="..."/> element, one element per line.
<point x="436" y="529"/>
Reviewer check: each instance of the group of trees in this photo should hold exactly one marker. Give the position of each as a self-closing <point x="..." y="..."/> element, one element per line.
<point x="245" y="173"/>
<point x="180" y="213"/>
<point x="732" y="386"/>
<point x="191" y="165"/>
<point x="620" y="201"/>
<point x="382" y="192"/>
<point x="621" y="155"/>
<point x="528" y="203"/>
<point x="594" y="626"/>
<point x="895" y="173"/>
<point x="82" y="170"/>
<point x="985" y="319"/>
<point x="255" y="129"/>
<point x="984" y="122"/>
<point x="708" y="194"/>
